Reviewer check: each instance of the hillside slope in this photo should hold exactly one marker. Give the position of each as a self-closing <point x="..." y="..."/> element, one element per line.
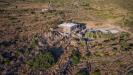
<point x="27" y="49"/>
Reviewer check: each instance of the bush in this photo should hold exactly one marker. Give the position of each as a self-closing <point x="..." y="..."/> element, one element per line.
<point x="83" y="72"/>
<point x="42" y="61"/>
<point x="96" y="72"/>
<point x="75" y="57"/>
<point x="82" y="43"/>
<point x="90" y="35"/>
<point x="123" y="41"/>
<point x="98" y="35"/>
<point x="12" y="18"/>
<point x="130" y="73"/>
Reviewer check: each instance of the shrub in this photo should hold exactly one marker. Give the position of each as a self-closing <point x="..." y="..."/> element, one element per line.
<point x="98" y="35"/>
<point x="12" y="18"/>
<point x="42" y="61"/>
<point x="82" y="43"/>
<point x="75" y="57"/>
<point x="83" y="73"/>
<point x="123" y="41"/>
<point x="130" y="73"/>
<point x="96" y="72"/>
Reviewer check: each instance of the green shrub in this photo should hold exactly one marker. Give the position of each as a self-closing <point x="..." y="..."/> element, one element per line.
<point x="75" y="57"/>
<point x="83" y="43"/>
<point x="12" y="18"/>
<point x="82" y="73"/>
<point x="123" y="41"/>
<point x="42" y="61"/>
<point x="96" y="72"/>
<point x="130" y="73"/>
<point x="90" y="35"/>
<point x="98" y="35"/>
<point x="33" y="41"/>
<point x="4" y="60"/>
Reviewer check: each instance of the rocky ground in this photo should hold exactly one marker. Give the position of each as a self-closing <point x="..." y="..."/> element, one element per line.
<point x="24" y="39"/>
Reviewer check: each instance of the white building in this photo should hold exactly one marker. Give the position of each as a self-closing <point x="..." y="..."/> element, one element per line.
<point x="68" y="27"/>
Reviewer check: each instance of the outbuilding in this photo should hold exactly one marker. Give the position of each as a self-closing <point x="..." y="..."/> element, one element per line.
<point x="71" y="27"/>
<point x="68" y="27"/>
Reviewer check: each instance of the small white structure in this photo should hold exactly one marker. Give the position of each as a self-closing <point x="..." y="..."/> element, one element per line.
<point x="114" y="31"/>
<point x="68" y="27"/>
<point x="44" y="10"/>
